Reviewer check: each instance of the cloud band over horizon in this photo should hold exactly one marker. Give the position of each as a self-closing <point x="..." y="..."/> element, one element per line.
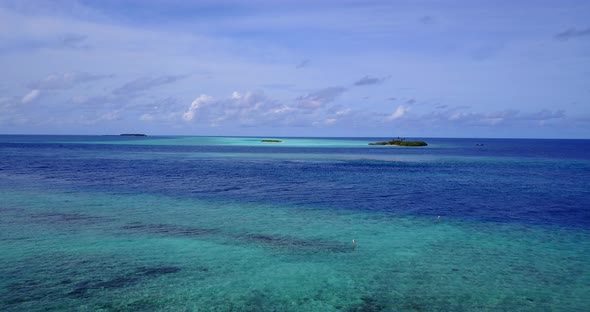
<point x="295" y="68"/>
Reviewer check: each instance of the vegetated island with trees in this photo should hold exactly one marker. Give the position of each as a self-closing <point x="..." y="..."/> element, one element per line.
<point x="401" y="142"/>
<point x="271" y="141"/>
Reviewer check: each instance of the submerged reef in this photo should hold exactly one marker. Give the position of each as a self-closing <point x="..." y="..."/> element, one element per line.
<point x="81" y="289"/>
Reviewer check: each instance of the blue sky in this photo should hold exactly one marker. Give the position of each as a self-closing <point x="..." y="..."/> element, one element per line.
<point x="296" y="68"/>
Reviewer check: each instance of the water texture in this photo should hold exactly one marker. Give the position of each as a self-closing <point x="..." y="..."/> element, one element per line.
<point x="233" y="224"/>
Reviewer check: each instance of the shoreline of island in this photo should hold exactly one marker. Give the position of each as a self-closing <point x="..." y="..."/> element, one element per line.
<point x="401" y="142"/>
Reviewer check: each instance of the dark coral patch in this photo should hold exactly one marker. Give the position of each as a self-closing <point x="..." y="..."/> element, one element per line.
<point x="133" y="278"/>
<point x="58" y="217"/>
<point x="298" y="243"/>
<point x="167" y="229"/>
<point x="158" y="270"/>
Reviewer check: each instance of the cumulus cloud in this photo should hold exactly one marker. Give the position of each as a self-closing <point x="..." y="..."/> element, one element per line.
<point x="145" y="83"/>
<point x="572" y="33"/>
<point x="31" y="96"/>
<point x="320" y="98"/>
<point x="399" y="113"/>
<point x="368" y="80"/>
<point x="255" y="109"/>
<point x="258" y="109"/>
<point x="196" y="105"/>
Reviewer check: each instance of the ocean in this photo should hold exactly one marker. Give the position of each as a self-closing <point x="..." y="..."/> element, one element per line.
<point x="180" y="223"/>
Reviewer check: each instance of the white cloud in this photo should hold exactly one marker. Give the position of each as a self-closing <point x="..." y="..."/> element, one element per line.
<point x="343" y="112"/>
<point x="31" y="96"/>
<point x="244" y="109"/>
<point x="399" y="112"/>
<point x="98" y="41"/>
<point x="197" y="104"/>
<point x="254" y="109"/>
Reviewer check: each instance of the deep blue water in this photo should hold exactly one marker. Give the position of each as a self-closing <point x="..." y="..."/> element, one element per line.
<point x="505" y="180"/>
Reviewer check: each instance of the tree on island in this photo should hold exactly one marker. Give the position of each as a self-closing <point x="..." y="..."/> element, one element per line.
<point x="401" y="142"/>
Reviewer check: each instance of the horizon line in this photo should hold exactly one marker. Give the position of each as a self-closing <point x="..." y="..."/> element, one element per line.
<point x="311" y="137"/>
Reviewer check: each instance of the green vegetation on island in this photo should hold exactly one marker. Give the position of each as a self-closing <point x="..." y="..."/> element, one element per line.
<point x="271" y="141"/>
<point x="401" y="142"/>
<point x="133" y="134"/>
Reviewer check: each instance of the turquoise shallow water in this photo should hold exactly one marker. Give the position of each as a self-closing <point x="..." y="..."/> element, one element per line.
<point x="78" y="240"/>
<point x="221" y="141"/>
<point x="92" y="254"/>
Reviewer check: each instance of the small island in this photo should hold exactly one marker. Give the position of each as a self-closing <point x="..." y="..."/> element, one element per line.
<point x="401" y="142"/>
<point x="271" y="141"/>
<point x="133" y="134"/>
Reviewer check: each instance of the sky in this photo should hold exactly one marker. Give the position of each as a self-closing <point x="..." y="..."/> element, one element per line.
<point x="372" y="68"/>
